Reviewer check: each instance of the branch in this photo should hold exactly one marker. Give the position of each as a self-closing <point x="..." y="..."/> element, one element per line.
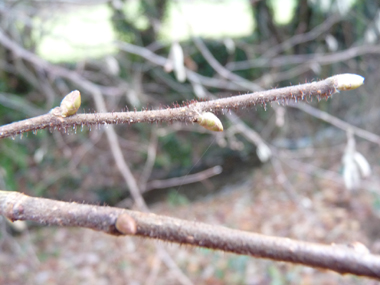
<point x="183" y="180"/>
<point x="221" y="70"/>
<point x="337" y="122"/>
<point x="320" y="58"/>
<point x="115" y="221"/>
<point x="190" y="112"/>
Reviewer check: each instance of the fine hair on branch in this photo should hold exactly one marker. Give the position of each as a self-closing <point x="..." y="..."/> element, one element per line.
<point x="189" y="112"/>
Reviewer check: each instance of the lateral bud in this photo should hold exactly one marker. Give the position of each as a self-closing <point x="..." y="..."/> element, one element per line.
<point x="70" y="104"/>
<point x="210" y="121"/>
<point x="126" y="225"/>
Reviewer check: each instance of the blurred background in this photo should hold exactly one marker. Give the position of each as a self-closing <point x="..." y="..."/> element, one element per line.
<point x="309" y="172"/>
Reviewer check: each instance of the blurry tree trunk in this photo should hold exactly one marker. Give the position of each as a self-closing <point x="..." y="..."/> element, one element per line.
<point x="153" y="10"/>
<point x="266" y="27"/>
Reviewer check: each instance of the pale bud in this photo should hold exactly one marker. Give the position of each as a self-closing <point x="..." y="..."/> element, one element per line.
<point x="70" y="104"/>
<point x="210" y="121"/>
<point x="348" y="81"/>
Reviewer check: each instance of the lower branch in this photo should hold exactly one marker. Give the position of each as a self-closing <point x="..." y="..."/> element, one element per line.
<point x="115" y="221"/>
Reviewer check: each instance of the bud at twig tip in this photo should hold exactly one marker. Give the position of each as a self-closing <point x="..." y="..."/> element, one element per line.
<point x="348" y="81"/>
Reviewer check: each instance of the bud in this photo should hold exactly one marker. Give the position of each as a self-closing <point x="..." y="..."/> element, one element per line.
<point x="348" y="81"/>
<point x="70" y="104"/>
<point x="126" y="225"/>
<point x="210" y="121"/>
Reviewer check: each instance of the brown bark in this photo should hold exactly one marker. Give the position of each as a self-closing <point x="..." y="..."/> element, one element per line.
<point x="342" y="259"/>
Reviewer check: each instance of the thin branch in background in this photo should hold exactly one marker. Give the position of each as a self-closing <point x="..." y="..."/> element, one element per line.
<point x="268" y="56"/>
<point x="187" y="179"/>
<point x="306" y="59"/>
<point x="172" y="265"/>
<point x="283" y="180"/>
<point x="246" y="131"/>
<point x="8" y="241"/>
<point x="191" y="75"/>
<point x="320" y="59"/>
<point x="221" y="70"/>
<point x="304" y="37"/>
<point x="75" y="159"/>
<point x="151" y="158"/>
<point x="312" y="170"/>
<point x="337" y="122"/>
<point x="339" y="258"/>
<point x="174" y="182"/>
<point x="14" y="102"/>
<point x="317" y="61"/>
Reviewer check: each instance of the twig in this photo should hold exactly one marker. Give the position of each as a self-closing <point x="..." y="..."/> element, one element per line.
<point x="337" y="122"/>
<point x="283" y="180"/>
<point x="15" y="103"/>
<point x="320" y="58"/>
<point x="151" y="158"/>
<point x="193" y="76"/>
<point x="246" y="131"/>
<point x="17" y="206"/>
<point x="190" y="178"/>
<point x="304" y="37"/>
<point x="221" y="70"/>
<point x="190" y="111"/>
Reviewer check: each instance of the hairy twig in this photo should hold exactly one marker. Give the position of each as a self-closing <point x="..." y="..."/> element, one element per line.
<point x="17" y="206"/>
<point x="190" y="112"/>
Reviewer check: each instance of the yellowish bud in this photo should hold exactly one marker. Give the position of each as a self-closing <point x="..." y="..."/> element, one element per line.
<point x="70" y="104"/>
<point x="348" y="81"/>
<point x="210" y="121"/>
